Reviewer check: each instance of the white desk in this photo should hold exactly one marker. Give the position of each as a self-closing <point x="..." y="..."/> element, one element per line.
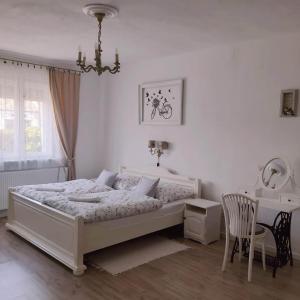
<point x="277" y="205"/>
<point x="281" y="229"/>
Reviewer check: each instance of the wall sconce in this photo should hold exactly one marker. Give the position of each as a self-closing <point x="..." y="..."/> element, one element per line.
<point x="157" y="148"/>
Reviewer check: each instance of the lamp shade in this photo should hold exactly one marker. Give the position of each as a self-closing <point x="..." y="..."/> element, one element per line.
<point x="164" y="145"/>
<point x="151" y="144"/>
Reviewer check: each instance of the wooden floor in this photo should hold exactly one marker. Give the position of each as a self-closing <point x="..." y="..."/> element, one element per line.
<point x="28" y="273"/>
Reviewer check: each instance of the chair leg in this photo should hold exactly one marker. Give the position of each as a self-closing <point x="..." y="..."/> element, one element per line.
<point x="235" y="245"/>
<point x="225" y="253"/>
<point x="263" y="254"/>
<point x="240" y="249"/>
<point x="251" y="253"/>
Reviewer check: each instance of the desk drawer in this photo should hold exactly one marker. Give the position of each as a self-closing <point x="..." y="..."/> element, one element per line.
<point x="290" y="198"/>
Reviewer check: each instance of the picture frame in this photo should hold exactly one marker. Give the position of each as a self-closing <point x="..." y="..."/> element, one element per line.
<point x="289" y="103"/>
<point x="161" y="103"/>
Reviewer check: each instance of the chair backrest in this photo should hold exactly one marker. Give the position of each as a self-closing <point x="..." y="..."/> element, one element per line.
<point x="240" y="214"/>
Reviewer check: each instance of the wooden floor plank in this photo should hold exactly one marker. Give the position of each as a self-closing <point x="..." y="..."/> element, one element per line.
<point x="28" y="273"/>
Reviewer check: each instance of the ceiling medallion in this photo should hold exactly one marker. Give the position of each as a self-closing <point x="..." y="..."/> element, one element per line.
<point x="99" y="11"/>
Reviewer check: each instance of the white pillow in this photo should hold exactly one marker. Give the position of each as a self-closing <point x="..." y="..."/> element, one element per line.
<point x="106" y="178"/>
<point x="146" y="186"/>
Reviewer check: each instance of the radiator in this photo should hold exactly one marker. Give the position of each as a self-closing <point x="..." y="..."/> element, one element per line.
<point x="11" y="179"/>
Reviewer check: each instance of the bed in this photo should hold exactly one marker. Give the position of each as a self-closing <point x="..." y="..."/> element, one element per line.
<point x="67" y="238"/>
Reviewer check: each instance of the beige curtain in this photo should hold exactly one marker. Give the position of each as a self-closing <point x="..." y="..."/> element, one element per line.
<point x="64" y="88"/>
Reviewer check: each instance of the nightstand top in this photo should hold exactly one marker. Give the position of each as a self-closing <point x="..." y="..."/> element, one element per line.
<point x="203" y="203"/>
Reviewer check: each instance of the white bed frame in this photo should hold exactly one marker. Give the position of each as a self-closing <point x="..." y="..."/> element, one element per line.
<point x="68" y="238"/>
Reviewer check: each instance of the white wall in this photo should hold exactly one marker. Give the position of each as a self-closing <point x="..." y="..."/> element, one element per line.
<point x="88" y="149"/>
<point x="231" y="114"/>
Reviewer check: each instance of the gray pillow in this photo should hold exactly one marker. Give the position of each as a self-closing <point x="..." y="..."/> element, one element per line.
<point x="168" y="192"/>
<point x="126" y="182"/>
<point x="146" y="186"/>
<point x="106" y="178"/>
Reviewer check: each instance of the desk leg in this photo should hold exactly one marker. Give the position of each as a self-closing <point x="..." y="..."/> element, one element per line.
<point x="291" y="258"/>
<point x="290" y="244"/>
<point x="281" y="230"/>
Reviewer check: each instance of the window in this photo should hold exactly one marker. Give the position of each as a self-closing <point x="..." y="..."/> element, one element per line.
<point x="28" y="137"/>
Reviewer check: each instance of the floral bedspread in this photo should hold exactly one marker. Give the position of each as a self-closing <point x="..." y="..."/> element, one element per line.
<point x="113" y="204"/>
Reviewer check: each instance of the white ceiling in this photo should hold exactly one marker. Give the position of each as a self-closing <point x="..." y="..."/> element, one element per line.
<point x="54" y="29"/>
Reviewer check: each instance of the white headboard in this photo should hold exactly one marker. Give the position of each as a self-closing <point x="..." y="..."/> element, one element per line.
<point x="166" y="176"/>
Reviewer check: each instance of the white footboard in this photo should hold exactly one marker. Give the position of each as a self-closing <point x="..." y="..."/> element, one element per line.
<point x="54" y="232"/>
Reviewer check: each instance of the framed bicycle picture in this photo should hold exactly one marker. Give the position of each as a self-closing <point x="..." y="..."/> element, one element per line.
<point x="160" y="103"/>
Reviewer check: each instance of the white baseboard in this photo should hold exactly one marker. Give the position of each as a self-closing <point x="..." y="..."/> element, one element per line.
<point x="269" y="249"/>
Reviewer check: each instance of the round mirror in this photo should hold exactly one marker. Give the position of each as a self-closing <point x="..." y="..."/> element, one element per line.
<point x="275" y="174"/>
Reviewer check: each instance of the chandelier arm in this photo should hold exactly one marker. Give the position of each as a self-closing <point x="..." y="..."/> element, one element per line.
<point x="106" y="68"/>
<point x="88" y="68"/>
<point x="114" y="71"/>
<point x="111" y="70"/>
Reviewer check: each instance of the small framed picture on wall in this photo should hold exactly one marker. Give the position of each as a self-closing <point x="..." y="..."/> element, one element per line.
<point x="289" y="103"/>
<point x="160" y="103"/>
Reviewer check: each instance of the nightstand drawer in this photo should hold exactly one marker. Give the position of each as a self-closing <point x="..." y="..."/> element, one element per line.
<point x="202" y="220"/>
<point x="195" y="226"/>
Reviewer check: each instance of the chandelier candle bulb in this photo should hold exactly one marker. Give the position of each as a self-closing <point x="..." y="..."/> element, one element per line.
<point x="79" y="55"/>
<point x="117" y="55"/>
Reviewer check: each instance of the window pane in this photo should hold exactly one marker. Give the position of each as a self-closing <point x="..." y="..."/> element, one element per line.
<point x="26" y="118"/>
<point x="33" y="132"/>
<point x="7" y="125"/>
<point x="32" y="106"/>
<point x="7" y="104"/>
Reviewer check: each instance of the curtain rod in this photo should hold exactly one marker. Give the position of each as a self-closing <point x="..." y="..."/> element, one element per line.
<point x="21" y="63"/>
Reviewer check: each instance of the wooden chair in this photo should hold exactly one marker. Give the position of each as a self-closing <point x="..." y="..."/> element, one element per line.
<point x="240" y="214"/>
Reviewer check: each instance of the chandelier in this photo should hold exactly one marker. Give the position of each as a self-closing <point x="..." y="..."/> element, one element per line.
<point x="99" y="11"/>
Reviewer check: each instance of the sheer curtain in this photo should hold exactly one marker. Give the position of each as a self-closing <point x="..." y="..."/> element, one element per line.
<point x="28" y="135"/>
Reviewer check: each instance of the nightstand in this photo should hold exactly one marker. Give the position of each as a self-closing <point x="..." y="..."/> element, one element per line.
<point x="202" y="220"/>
